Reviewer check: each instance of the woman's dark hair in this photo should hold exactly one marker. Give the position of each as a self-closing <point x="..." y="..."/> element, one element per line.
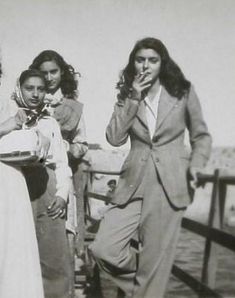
<point x="31" y="73"/>
<point x="68" y="83"/>
<point x="171" y="76"/>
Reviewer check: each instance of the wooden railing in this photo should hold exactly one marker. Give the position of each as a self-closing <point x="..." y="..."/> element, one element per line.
<point x="212" y="231"/>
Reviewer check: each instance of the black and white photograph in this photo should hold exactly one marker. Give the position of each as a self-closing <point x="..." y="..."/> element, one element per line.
<point x="117" y="149"/>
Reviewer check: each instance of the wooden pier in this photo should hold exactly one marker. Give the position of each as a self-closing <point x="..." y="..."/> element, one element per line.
<point x="213" y="232"/>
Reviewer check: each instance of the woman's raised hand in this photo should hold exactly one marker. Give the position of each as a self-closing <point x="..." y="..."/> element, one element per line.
<point x="19" y="119"/>
<point x="142" y="81"/>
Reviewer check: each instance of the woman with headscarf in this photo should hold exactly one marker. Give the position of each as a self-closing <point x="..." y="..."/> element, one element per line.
<point x="20" y="274"/>
<point x="48" y="182"/>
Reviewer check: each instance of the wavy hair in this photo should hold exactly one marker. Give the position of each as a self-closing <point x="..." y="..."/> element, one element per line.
<point x="69" y="82"/>
<point x="171" y="76"/>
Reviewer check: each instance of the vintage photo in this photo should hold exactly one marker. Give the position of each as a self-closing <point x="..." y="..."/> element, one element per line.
<point x="117" y="148"/>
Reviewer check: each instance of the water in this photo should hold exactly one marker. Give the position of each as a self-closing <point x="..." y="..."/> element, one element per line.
<point x="189" y="257"/>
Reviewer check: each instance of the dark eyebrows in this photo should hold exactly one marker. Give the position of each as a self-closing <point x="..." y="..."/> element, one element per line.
<point x="154" y="58"/>
<point x="139" y="58"/>
<point x="54" y="70"/>
<point x="149" y="58"/>
<point x="33" y="86"/>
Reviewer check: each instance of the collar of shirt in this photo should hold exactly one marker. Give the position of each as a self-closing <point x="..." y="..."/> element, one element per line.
<point x="152" y="105"/>
<point x="54" y="99"/>
<point x="151" y="109"/>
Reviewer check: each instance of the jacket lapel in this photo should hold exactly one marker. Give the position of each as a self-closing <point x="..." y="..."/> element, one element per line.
<point x="166" y="104"/>
<point x="142" y="115"/>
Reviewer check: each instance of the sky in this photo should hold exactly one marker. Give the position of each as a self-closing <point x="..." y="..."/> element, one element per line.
<point x="96" y="37"/>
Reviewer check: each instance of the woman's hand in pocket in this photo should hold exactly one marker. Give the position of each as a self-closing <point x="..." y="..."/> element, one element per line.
<point x="57" y="208"/>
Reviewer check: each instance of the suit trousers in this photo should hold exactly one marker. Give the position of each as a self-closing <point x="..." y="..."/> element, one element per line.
<point x="150" y="215"/>
<point x="51" y="234"/>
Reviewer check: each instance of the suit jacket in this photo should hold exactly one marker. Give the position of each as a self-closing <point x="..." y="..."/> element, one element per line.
<point x="166" y="148"/>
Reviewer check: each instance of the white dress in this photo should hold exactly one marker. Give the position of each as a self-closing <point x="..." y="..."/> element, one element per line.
<point x="20" y="274"/>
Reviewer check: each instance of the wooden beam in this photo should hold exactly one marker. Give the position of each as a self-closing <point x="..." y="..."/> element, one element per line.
<point x="98" y="196"/>
<point x="103" y="172"/>
<point x="198" y="287"/>
<point x="220" y="237"/>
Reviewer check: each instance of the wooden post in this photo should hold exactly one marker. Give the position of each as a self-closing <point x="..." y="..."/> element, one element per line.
<point x="222" y="201"/>
<point x="211" y="250"/>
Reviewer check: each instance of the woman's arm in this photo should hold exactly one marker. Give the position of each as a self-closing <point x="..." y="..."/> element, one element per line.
<point x="13" y="123"/>
<point x="78" y="147"/>
<point x="200" y="139"/>
<point x="62" y="172"/>
<point x="57" y="159"/>
<point x="125" y="111"/>
<point x="121" y="121"/>
<point x="70" y="118"/>
<point x="62" y="169"/>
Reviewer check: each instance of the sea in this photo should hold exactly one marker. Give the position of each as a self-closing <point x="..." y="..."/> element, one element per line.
<point x="189" y="257"/>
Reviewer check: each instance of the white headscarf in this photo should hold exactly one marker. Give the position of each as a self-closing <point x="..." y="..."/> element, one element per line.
<point x="18" y="97"/>
<point x="33" y="115"/>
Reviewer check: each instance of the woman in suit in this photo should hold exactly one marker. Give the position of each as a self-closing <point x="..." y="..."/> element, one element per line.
<point x="155" y="106"/>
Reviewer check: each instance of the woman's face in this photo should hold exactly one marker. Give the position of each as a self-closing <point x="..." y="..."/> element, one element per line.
<point x="52" y="73"/>
<point x="148" y="60"/>
<point x="33" y="91"/>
